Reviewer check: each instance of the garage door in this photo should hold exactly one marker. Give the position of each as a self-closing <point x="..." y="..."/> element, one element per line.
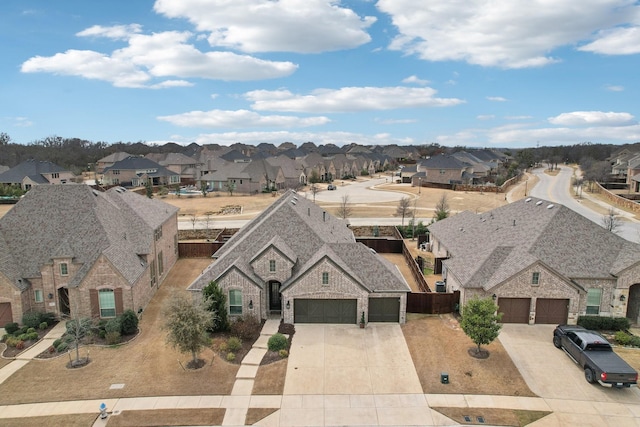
<point x="324" y="310"/>
<point x="516" y="310"/>
<point x="384" y="309"/>
<point x="5" y="314"/>
<point x="552" y="311"/>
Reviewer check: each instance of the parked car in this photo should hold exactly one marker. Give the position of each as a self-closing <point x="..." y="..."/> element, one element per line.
<point x="331" y="187"/>
<point x="593" y="353"/>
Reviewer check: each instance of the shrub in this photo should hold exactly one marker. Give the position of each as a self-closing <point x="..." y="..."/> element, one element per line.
<point x="51" y="349"/>
<point x="62" y="347"/>
<point x="24" y="337"/>
<point x="112" y="337"/>
<point x="246" y="328"/>
<point x="113" y="325"/>
<point x="43" y="325"/>
<point x="128" y="322"/>
<point x="33" y="336"/>
<point x="11" y="341"/>
<point x="32" y="319"/>
<point x="234" y="344"/>
<point x="20" y="345"/>
<point x="277" y="342"/>
<point x="4" y="337"/>
<point x="223" y="347"/>
<point x="48" y="317"/>
<point x="11" y="327"/>
<point x="31" y="330"/>
<point x="57" y="342"/>
<point x="623" y="338"/>
<point x="21" y="331"/>
<point x="231" y="357"/>
<point x="215" y="301"/>
<point x="102" y="333"/>
<point x="602" y="323"/>
<point x="283" y="353"/>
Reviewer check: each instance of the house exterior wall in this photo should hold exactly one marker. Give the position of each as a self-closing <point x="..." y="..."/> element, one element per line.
<point x="234" y="280"/>
<point x="123" y="176"/>
<point x="606" y="300"/>
<point x="261" y="266"/>
<point x="11" y="294"/>
<point x="310" y="286"/>
<point x="443" y="176"/>
<point x="626" y="279"/>
<point x="62" y="177"/>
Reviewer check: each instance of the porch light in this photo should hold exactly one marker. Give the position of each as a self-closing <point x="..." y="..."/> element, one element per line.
<point x="622" y="298"/>
<point x="250" y="304"/>
<point x="50" y="296"/>
<point x="288" y="305"/>
<point x="494" y="297"/>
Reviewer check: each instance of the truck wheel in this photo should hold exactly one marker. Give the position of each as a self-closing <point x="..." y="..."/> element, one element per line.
<point x="556" y="342"/>
<point x="589" y="375"/>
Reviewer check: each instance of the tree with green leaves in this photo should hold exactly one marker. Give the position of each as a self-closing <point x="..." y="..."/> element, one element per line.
<point x="187" y="323"/>
<point x="215" y="301"/>
<point x="480" y="322"/>
<point x="203" y="188"/>
<point x="148" y="189"/>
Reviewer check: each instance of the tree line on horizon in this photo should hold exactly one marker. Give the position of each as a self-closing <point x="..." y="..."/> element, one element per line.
<point x="77" y="154"/>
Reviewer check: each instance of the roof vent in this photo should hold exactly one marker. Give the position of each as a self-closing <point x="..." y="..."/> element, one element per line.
<point x="539" y="202"/>
<point x="528" y="200"/>
<point x="514" y="222"/>
<point x="550" y="207"/>
<point x="293" y="202"/>
<point x="324" y="216"/>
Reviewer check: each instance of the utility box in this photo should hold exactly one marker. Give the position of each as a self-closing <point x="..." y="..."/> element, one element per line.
<point x="441" y="286"/>
<point x="444" y="378"/>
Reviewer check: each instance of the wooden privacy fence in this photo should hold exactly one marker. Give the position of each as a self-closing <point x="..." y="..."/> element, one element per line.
<point x="198" y="249"/>
<point x="432" y="302"/>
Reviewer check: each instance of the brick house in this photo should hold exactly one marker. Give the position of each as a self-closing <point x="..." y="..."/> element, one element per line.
<point x="541" y="262"/>
<point x="77" y="252"/>
<point x="298" y="262"/>
<point x="31" y="173"/>
<point x="136" y="171"/>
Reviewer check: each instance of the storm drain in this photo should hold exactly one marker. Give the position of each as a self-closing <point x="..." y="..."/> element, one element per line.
<point x="468" y="419"/>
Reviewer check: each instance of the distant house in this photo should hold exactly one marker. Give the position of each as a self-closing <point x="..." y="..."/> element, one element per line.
<point x="185" y="166"/>
<point x="94" y="254"/>
<point x="109" y="160"/>
<point x="36" y="172"/>
<point x="297" y="261"/>
<point x="541" y="262"/>
<point x="137" y="171"/>
<point x="444" y="170"/>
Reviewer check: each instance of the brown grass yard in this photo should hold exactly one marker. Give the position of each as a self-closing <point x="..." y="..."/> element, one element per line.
<point x="437" y="344"/>
<point x="147" y="366"/>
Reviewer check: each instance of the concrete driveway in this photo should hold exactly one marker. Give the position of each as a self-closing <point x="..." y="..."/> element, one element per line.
<point x="549" y="372"/>
<point x="344" y="359"/>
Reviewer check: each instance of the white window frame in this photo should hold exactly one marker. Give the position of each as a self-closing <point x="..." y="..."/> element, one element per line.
<point x="325" y="277"/>
<point x="64" y="269"/>
<point x="592" y="306"/>
<point x="535" y="278"/>
<point x="39" y="295"/>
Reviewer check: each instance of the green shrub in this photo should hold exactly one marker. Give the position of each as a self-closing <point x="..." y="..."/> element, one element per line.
<point x="634" y="341"/>
<point x="4" y="337"/>
<point x="33" y="336"/>
<point x="277" y="342"/>
<point x="246" y="328"/>
<point x="128" y="322"/>
<point x="234" y="344"/>
<point x="113" y="337"/>
<point x="48" y="317"/>
<point x="62" y="347"/>
<point x="602" y="323"/>
<point x="57" y="342"/>
<point x="43" y="325"/>
<point x="11" y="328"/>
<point x="102" y="333"/>
<point x="283" y="353"/>
<point x="31" y="330"/>
<point x="231" y="357"/>
<point x="24" y="337"/>
<point x="223" y="347"/>
<point x="21" y="331"/>
<point x="113" y="325"/>
<point x="623" y="338"/>
<point x="32" y="319"/>
<point x="11" y="341"/>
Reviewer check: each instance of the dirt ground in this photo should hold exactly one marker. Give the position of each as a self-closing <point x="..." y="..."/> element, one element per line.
<point x="437" y="344"/>
<point x="147" y="366"/>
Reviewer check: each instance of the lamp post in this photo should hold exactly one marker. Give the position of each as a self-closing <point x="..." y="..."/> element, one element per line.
<point x="419" y="185"/>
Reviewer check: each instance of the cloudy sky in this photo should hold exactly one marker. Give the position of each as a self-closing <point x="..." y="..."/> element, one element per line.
<point x="497" y="73"/>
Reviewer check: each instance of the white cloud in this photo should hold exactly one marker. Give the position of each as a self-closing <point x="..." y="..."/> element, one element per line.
<point x="614" y="88"/>
<point x="510" y="33"/>
<point x="415" y="80"/>
<point x="562" y="136"/>
<point x="21" y="122"/>
<point x="148" y="57"/>
<point x="348" y="99"/>
<point x="518" y="117"/>
<point x="303" y="26"/>
<point x="496" y="99"/>
<point x="239" y="119"/>
<point x="395" y="121"/>
<point x="485" y="117"/>
<point x="617" y="41"/>
<point x="115" y="32"/>
<point x="593" y="118"/>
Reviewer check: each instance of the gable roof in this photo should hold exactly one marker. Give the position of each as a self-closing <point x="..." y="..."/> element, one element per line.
<point x="442" y="161"/>
<point x="304" y="233"/>
<point x="74" y="221"/>
<point x="488" y="248"/>
<point x="30" y="168"/>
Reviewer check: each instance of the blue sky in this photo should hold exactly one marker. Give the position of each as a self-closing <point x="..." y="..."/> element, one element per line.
<point x="502" y="73"/>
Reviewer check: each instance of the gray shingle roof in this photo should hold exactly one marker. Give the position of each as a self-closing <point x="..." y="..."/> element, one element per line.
<point x="304" y="232"/>
<point x="31" y="168"/>
<point x="75" y="221"/>
<point x="442" y="161"/>
<point x="488" y="248"/>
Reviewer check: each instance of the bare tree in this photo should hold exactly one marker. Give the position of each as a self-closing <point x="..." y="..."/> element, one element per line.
<point x="442" y="208"/>
<point x="207" y="219"/>
<point x="193" y="217"/>
<point x="314" y="190"/>
<point x="231" y="187"/>
<point x="77" y="329"/>
<point x="344" y="210"/>
<point x="610" y="221"/>
<point x="404" y="208"/>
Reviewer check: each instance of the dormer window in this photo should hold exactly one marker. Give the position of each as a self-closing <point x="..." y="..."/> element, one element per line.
<point x="325" y="278"/>
<point x="64" y="269"/>
<point x="272" y="265"/>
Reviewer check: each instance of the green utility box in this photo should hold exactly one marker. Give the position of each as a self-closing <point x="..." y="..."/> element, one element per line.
<point x="444" y="378"/>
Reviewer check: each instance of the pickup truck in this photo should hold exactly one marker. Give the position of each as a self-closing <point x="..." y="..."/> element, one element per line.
<point x="594" y="354"/>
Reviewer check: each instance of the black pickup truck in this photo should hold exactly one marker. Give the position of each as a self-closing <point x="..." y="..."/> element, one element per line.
<point x="594" y="354"/>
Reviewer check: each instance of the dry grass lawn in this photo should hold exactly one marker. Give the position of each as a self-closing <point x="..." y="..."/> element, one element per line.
<point x="256" y="414"/>
<point x="437" y="344"/>
<point x="270" y="378"/>
<point x="630" y="355"/>
<point x="75" y="420"/>
<point x="147" y="366"/>
<point x="492" y="416"/>
<point x="168" y="417"/>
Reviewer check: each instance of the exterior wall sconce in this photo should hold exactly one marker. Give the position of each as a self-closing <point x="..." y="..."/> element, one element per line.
<point x="494" y="297"/>
<point x="250" y="304"/>
<point x="50" y="296"/>
<point x="288" y="305"/>
<point x="622" y="298"/>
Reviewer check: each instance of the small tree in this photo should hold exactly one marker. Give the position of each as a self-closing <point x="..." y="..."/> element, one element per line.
<point x="148" y="189"/>
<point x="480" y="323"/>
<point x="187" y="323"/>
<point x="314" y="178"/>
<point x="344" y="210"/>
<point x="203" y="188"/>
<point x="215" y="301"/>
<point x="442" y="208"/>
<point x="314" y="190"/>
<point x="610" y="221"/>
<point x="78" y="329"/>
<point x="404" y="206"/>
<point x="231" y="187"/>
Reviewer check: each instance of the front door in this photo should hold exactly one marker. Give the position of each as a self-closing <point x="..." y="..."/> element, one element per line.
<point x="63" y="301"/>
<point x="275" y="302"/>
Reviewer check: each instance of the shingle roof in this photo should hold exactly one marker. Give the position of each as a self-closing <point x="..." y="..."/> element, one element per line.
<point x="31" y="168"/>
<point x="488" y="248"/>
<point x="442" y="161"/>
<point x="304" y="232"/>
<point x="75" y="221"/>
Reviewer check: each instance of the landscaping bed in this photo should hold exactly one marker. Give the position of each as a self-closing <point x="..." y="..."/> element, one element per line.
<point x="20" y="338"/>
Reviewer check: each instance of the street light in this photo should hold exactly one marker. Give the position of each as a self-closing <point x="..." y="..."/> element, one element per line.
<point x="419" y="184"/>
